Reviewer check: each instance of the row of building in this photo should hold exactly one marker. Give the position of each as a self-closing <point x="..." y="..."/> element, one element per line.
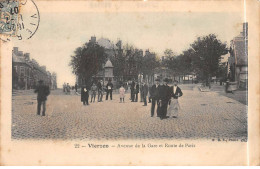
<point x="27" y="72"/>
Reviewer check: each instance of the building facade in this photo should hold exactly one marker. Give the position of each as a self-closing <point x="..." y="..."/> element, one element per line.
<point x="238" y="60"/>
<point x="27" y="72"/>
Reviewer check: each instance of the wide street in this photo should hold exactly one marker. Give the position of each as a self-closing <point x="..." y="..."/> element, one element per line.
<point x="207" y="115"/>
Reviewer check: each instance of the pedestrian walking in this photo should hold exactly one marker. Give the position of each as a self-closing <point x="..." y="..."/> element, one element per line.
<point x="76" y="87"/>
<point x="109" y="88"/>
<point x="144" y="93"/>
<point x="132" y="91"/>
<point x="122" y="94"/>
<point x="68" y="88"/>
<point x="174" y="107"/>
<point x="141" y="93"/>
<point x="149" y="93"/>
<point x="84" y="95"/>
<point x="42" y="92"/>
<point x="136" y="91"/>
<point x="93" y="92"/>
<point x="100" y="90"/>
<point x="155" y="97"/>
<point x="164" y="97"/>
<point x="64" y="87"/>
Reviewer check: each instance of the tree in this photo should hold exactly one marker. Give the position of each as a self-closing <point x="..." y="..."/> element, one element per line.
<point x="207" y="52"/>
<point x="119" y="63"/>
<point x="88" y="60"/>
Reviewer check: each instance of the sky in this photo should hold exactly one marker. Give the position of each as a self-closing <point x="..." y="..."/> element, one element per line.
<point x="59" y="34"/>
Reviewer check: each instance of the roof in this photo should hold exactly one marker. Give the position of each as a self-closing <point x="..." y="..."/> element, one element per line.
<point x="20" y="59"/>
<point x="106" y="43"/>
<point x="109" y="64"/>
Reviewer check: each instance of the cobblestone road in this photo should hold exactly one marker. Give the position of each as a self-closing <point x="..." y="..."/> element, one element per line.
<point x="205" y="115"/>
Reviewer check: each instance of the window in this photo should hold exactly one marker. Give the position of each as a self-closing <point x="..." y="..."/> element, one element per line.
<point x="15" y="68"/>
<point x="22" y="71"/>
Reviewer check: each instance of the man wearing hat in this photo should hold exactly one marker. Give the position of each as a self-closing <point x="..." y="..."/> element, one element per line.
<point x="164" y="97"/>
<point x="132" y="91"/>
<point x="100" y="90"/>
<point x="42" y="93"/>
<point x="84" y="95"/>
<point x="155" y="96"/>
<point x="144" y="92"/>
<point x="109" y="89"/>
<point x="136" y="91"/>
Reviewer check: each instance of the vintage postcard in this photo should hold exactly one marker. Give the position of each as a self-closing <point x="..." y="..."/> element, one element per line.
<point x="129" y="82"/>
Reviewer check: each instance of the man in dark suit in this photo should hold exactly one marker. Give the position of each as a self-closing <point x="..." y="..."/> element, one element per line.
<point x="42" y="92"/>
<point x="109" y="89"/>
<point x="144" y="92"/>
<point x="84" y="95"/>
<point x="132" y="91"/>
<point x="164" y="97"/>
<point x="154" y="94"/>
<point x="136" y="91"/>
<point x="100" y="90"/>
<point x="141" y="93"/>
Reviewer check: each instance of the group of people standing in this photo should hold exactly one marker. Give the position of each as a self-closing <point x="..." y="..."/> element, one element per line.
<point x="96" y="89"/>
<point x="162" y="96"/>
<point x="166" y="99"/>
<point x="135" y="91"/>
<point x="66" y="88"/>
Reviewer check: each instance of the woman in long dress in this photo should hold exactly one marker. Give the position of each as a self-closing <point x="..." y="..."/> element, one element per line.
<point x="175" y="93"/>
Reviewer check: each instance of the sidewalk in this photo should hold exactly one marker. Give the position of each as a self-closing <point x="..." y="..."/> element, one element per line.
<point x="239" y="95"/>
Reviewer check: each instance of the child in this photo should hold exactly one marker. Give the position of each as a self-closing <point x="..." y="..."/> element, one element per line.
<point x="122" y="94"/>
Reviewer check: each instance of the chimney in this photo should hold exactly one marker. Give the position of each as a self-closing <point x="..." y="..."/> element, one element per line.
<point x="27" y="56"/>
<point x="20" y="53"/>
<point x="15" y="50"/>
<point x="93" y="39"/>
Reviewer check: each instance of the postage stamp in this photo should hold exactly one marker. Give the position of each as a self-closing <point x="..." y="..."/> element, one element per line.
<point x="9" y="17"/>
<point x="19" y="19"/>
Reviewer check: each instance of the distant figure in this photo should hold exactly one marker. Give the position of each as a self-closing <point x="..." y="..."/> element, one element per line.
<point x="175" y="93"/>
<point x="132" y="91"/>
<point x="93" y="92"/>
<point x="64" y="87"/>
<point x="126" y="86"/>
<point x="109" y="89"/>
<point x="100" y="90"/>
<point x="141" y="93"/>
<point x="42" y="92"/>
<point x="84" y="95"/>
<point x="68" y="88"/>
<point x="144" y="93"/>
<point x="136" y="91"/>
<point x="164" y="97"/>
<point x="155" y="97"/>
<point x="149" y="93"/>
<point x="122" y="94"/>
<point x="76" y="87"/>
